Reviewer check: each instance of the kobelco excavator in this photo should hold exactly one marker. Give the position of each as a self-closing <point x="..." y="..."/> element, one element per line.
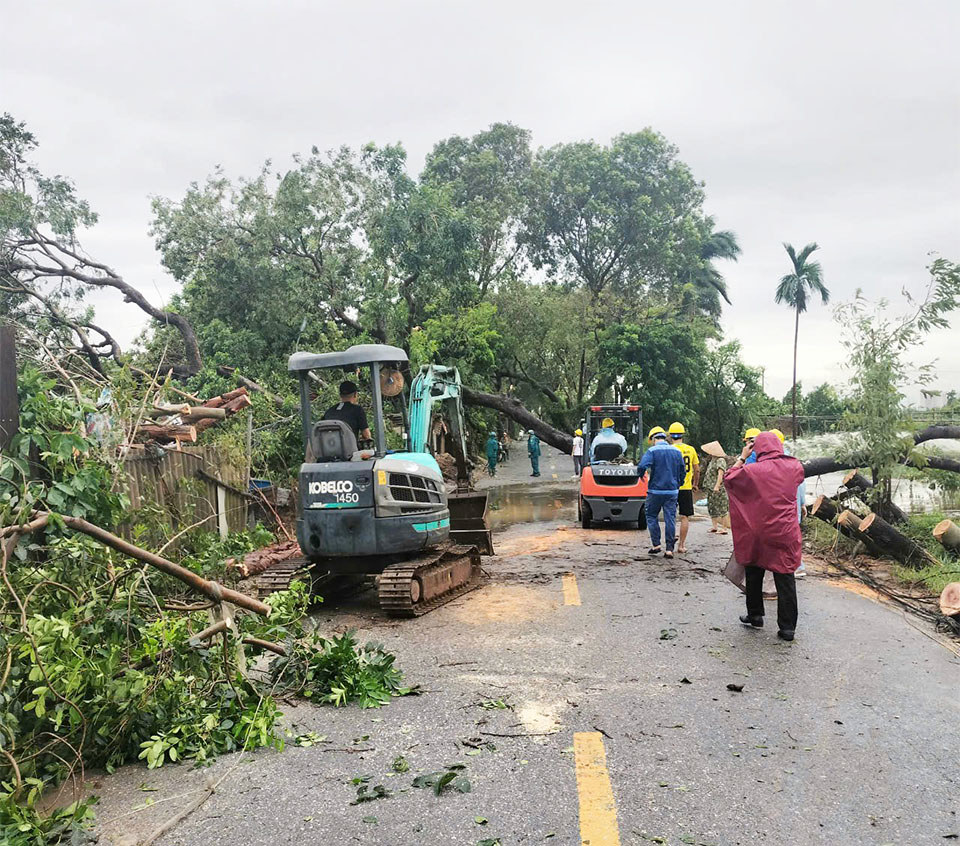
<point x="367" y="509"/>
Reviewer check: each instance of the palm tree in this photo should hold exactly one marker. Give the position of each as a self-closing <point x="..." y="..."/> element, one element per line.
<point x="794" y="289"/>
<point x="708" y="282"/>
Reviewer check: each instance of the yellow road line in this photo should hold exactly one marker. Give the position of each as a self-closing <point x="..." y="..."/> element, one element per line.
<point x="571" y="593"/>
<point x="598" y="811"/>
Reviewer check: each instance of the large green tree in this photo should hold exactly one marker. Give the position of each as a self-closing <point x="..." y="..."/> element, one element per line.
<point x="795" y="289"/>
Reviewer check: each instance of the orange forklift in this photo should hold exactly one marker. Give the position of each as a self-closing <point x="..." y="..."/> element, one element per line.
<point x="611" y="487"/>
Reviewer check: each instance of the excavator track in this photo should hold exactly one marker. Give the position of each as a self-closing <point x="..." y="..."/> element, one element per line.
<point x="328" y="585"/>
<point x="280" y="576"/>
<point x="412" y="588"/>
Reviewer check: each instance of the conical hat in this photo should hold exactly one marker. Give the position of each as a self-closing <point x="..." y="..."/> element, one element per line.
<point x="713" y="449"/>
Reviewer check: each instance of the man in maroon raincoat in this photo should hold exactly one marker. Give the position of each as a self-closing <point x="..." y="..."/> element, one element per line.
<point x="766" y="534"/>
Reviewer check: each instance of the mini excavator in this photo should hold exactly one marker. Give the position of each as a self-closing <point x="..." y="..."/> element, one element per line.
<point x="369" y="510"/>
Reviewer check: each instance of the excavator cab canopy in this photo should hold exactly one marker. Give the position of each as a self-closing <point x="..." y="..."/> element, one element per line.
<point x="373" y="356"/>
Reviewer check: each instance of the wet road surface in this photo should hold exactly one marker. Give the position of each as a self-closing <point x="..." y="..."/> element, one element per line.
<point x="585" y="691"/>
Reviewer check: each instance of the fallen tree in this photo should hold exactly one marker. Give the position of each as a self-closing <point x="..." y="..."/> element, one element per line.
<point x="517" y="411"/>
<point x="825" y="464"/>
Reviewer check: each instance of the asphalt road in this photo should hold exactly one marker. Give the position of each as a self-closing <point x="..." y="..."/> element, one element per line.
<point x="609" y="721"/>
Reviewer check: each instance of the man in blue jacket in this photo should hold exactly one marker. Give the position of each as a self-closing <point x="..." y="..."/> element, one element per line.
<point x="666" y="470"/>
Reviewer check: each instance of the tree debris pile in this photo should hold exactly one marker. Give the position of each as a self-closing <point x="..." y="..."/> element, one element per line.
<point x="111" y="653"/>
<point x="182" y="423"/>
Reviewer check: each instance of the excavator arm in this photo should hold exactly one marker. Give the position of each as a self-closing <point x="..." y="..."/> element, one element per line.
<point x="437" y="389"/>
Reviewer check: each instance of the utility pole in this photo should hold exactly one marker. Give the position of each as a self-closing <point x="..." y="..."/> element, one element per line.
<point x="9" y="407"/>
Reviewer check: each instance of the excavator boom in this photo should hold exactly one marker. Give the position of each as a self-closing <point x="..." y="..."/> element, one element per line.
<point x="437" y="390"/>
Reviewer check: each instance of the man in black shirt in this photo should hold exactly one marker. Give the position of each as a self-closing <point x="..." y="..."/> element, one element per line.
<point x="349" y="412"/>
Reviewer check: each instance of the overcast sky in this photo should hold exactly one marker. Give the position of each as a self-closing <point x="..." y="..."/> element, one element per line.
<point x="837" y="122"/>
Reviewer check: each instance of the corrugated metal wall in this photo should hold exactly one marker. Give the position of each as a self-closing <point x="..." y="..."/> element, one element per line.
<point x="172" y="483"/>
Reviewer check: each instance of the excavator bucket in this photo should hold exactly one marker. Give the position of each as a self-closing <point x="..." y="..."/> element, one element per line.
<point x="469" y="525"/>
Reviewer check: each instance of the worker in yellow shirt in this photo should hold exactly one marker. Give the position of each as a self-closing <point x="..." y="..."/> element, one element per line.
<point x="691" y="463"/>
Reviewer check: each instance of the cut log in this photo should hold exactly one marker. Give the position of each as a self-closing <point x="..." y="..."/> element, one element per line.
<point x="950" y="600"/>
<point x="161" y="409"/>
<point x="232" y="406"/>
<point x="168" y="432"/>
<point x="851" y="525"/>
<point x="200" y="412"/>
<point x="858" y="483"/>
<point x="223" y="399"/>
<point x="825" y="509"/>
<point x="261" y="560"/>
<point x="894" y="543"/>
<point x="948" y="533"/>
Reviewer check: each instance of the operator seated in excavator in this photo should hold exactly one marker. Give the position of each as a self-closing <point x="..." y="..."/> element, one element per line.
<point x="608" y="444"/>
<point x="350" y="412"/>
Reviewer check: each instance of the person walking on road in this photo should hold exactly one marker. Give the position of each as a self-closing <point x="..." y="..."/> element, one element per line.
<point x="493" y="453"/>
<point x="577" y="453"/>
<point x="766" y="533"/>
<point x="666" y="469"/>
<point x="801" y="499"/>
<point x="691" y="480"/>
<point x="533" y="450"/>
<point x="718" y="506"/>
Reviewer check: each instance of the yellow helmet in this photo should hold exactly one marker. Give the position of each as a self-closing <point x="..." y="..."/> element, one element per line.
<point x="779" y="434"/>
<point x="578" y="432"/>
<point x="607" y="423"/>
<point x="752" y="432"/>
<point x="677" y="429"/>
<point x="656" y="430"/>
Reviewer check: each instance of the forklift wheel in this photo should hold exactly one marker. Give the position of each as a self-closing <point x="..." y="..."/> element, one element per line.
<point x="642" y="519"/>
<point x="586" y="515"/>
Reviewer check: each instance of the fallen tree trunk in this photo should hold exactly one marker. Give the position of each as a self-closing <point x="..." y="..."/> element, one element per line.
<point x="825" y="464"/>
<point x="935" y="462"/>
<point x="515" y="410"/>
<point x="822" y="466"/>
<point x="907" y="551"/>
<point x="937" y="432"/>
<point x="948" y="533"/>
<point x="214" y="591"/>
<point x="890" y="511"/>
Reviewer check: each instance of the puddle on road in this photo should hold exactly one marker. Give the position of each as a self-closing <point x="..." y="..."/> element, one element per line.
<point x="512" y="504"/>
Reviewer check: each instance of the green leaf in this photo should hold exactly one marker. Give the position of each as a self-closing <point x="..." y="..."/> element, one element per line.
<point x="480" y="820"/>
